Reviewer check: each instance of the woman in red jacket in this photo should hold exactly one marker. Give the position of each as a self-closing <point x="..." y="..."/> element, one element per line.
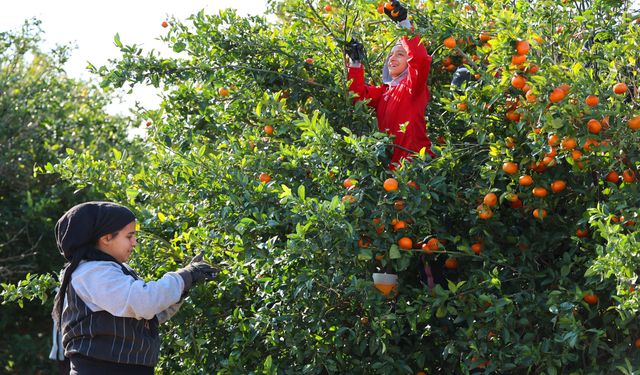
<point x="401" y="100"/>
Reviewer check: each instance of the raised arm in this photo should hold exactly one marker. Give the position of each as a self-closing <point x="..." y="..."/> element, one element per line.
<point x="419" y="60"/>
<point x="362" y="90"/>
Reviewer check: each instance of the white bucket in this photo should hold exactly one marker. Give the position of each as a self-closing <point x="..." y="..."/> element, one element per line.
<point x="385" y="282"/>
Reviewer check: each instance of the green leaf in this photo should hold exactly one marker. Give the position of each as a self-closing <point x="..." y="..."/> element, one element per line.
<point x="116" y="40"/>
<point x="394" y="252"/>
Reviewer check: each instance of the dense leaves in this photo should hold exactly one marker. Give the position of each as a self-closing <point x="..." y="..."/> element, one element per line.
<point x="248" y="155"/>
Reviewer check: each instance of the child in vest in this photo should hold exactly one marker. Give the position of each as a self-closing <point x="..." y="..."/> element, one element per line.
<point x="401" y="100"/>
<point x="107" y="315"/>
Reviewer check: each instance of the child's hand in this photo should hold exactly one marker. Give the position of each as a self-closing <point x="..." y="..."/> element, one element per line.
<point x="355" y="50"/>
<point x="396" y="11"/>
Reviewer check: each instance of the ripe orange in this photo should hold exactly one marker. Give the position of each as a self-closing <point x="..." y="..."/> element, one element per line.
<point x="576" y="154"/>
<point x="516" y="203"/>
<point x="421" y="373"/>
<point x="510" y="142"/>
<point x="309" y="60"/>
<point x="592" y="100"/>
<point x="399" y="205"/>
<point x="518" y="59"/>
<point x="222" y="91"/>
<point x="485" y="37"/>
<point x="390" y="184"/>
<point x="582" y="233"/>
<point x="532" y="68"/>
<point x="525" y="180"/>
<point x="165" y="24"/>
<point x="268" y="129"/>
<point x="634" y="123"/>
<point x="328" y="8"/>
<point x="389" y="6"/>
<point x="590" y="298"/>
<point x="264" y="177"/>
<point x="628" y="176"/>
<point x="512" y="115"/>
<point x="553" y="140"/>
<point x="531" y="97"/>
<point x="349" y="199"/>
<point x="451" y="263"/>
<point x="557" y="95"/>
<point x="381" y="8"/>
<point x="518" y="81"/>
<point x="539" y="192"/>
<point x="398" y="224"/>
<point x="462" y="106"/>
<point x="522" y="47"/>
<point x="569" y="143"/>
<point x="349" y="183"/>
<point x="476" y="247"/>
<point x="405" y="243"/>
<point x="510" y="167"/>
<point x="588" y="143"/>
<point x="594" y="126"/>
<point x="637" y="342"/>
<point x="540" y="213"/>
<point x="364" y="242"/>
<point x="620" y="88"/>
<point x="558" y="185"/>
<point x="490" y="199"/>
<point x="613" y="177"/>
<point x="413" y="184"/>
<point x="450" y="42"/>
<point x="432" y="245"/>
<point x="484" y="212"/>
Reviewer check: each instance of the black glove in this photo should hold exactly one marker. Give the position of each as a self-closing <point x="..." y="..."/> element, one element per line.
<point x="197" y="271"/>
<point x="398" y="13"/>
<point x="355" y="50"/>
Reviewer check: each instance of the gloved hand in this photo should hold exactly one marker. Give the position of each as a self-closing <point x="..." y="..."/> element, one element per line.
<point x="355" y="50"/>
<point x="397" y="13"/>
<point x="197" y="270"/>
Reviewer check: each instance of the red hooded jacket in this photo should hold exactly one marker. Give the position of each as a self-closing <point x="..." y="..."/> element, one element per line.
<point x="404" y="103"/>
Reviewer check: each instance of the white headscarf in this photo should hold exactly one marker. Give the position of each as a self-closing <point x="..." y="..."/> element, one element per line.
<point x="386" y="76"/>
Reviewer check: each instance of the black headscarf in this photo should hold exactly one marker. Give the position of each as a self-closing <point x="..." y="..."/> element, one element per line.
<point x="77" y="232"/>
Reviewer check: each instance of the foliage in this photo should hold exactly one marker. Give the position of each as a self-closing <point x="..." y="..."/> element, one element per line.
<point x="42" y="112"/>
<point x="296" y="293"/>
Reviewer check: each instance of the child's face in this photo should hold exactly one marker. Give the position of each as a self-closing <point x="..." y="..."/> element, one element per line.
<point x="397" y="61"/>
<point x="121" y="245"/>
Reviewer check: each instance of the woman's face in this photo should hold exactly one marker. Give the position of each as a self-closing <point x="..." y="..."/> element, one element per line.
<point x="397" y="61"/>
<point x="121" y="245"/>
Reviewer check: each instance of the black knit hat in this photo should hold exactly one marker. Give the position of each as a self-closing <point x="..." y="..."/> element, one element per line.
<point x="83" y="224"/>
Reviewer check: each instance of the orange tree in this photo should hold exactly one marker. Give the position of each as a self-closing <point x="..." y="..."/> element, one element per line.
<point x="258" y="156"/>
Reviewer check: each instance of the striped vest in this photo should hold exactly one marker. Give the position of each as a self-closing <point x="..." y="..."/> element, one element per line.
<point x="103" y="336"/>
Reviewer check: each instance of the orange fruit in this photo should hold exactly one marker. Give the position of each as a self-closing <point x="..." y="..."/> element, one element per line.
<point x="592" y="100"/>
<point x="349" y="183"/>
<point x="390" y="184"/>
<point x="328" y="8"/>
<point x="490" y="199"/>
<point x="540" y="213"/>
<point x="510" y="142"/>
<point x="620" y="88"/>
<point x="553" y="140"/>
<point x="518" y="81"/>
<point x="590" y="298"/>
<point x="268" y="129"/>
<point x="518" y="59"/>
<point x="450" y="42"/>
<point x="522" y="47"/>
<point x="309" y="60"/>
<point x="516" y="203"/>
<point x="532" y="69"/>
<point x="485" y="37"/>
<point x="634" y="123"/>
<point x="558" y="185"/>
<point x="510" y="167"/>
<point x="588" y="143"/>
<point x="462" y="106"/>
<point x="569" y="143"/>
<point x="525" y="180"/>
<point x="628" y="176"/>
<point x="476" y="247"/>
<point x="364" y="242"/>
<point x="576" y="154"/>
<point x="637" y="342"/>
<point x="389" y="6"/>
<point x="582" y="233"/>
<point x="264" y="177"/>
<point x="557" y="95"/>
<point x="484" y="212"/>
<point x="349" y="199"/>
<point x="399" y="205"/>
<point x="364" y="320"/>
<point x="613" y="177"/>
<point x="512" y="115"/>
<point x="531" y="97"/>
<point x="451" y="263"/>
<point x="405" y="243"/>
<point x="165" y="24"/>
<point x="398" y="224"/>
<point x="413" y="184"/>
<point x="222" y="91"/>
<point x="539" y="192"/>
<point x="594" y="126"/>
<point x="432" y="245"/>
